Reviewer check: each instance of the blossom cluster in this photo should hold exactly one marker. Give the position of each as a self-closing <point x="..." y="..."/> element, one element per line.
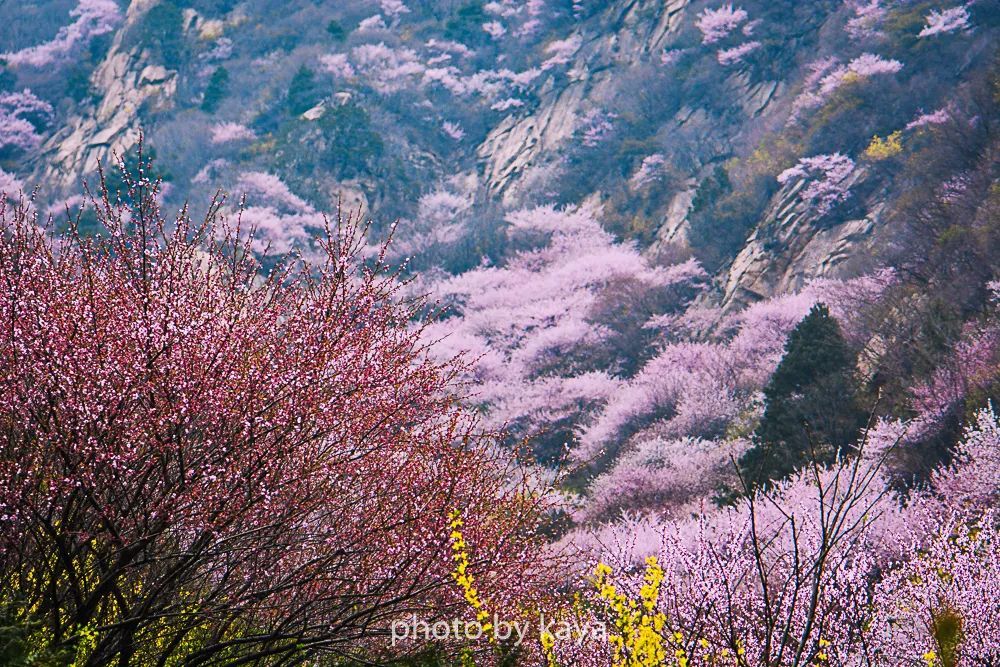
<point x="21" y="114"/>
<point x="826" y="178"/>
<point x="278" y="442"/>
<point x="91" y="18"/>
<point x="867" y="19"/>
<point x="828" y="568"/>
<point x="827" y="75"/>
<point x="716" y="24"/>
<point x="940" y="22"/>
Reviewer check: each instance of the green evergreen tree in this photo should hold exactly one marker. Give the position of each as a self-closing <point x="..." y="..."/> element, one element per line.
<point x="303" y="92"/>
<point x="8" y="80"/>
<point x="164" y="29"/>
<point x="336" y="31"/>
<point x="351" y="145"/>
<point x="466" y="24"/>
<point x="218" y="88"/>
<point x="813" y="408"/>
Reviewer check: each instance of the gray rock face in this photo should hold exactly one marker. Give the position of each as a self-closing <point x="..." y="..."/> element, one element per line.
<point x="754" y="98"/>
<point x="522" y="141"/>
<point x="516" y="143"/>
<point x="674" y="229"/>
<point x="124" y="82"/>
<point x="789" y="246"/>
<point x="792" y="246"/>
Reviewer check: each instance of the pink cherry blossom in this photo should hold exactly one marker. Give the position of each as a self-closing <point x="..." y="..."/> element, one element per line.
<point x="373" y="24"/>
<point x="225" y="132"/>
<point x="942" y="115"/>
<point x="561" y="51"/>
<point x="650" y="170"/>
<point x="271" y="189"/>
<point x="15" y="130"/>
<point x="827" y="75"/>
<point x="453" y="130"/>
<point x="91" y="18"/>
<point x="595" y="126"/>
<point x="10" y="186"/>
<point x="393" y="8"/>
<point x="495" y="29"/>
<point x="273" y="451"/>
<point x="826" y="179"/>
<point x="940" y="22"/>
<point x="867" y="19"/>
<point x="716" y="24"/>
<point x="737" y="53"/>
<point x="338" y="65"/>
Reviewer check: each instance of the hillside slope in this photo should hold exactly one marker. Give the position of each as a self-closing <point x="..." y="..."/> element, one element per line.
<point x="592" y="186"/>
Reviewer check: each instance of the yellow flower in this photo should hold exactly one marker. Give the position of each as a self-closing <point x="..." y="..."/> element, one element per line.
<point x="462" y="577"/>
<point x="639" y="637"/>
<point x="883" y="149"/>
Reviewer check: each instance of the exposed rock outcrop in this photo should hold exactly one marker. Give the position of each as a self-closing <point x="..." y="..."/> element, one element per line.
<point x="791" y="246"/>
<point x="124" y="82"/>
<point x="516" y="142"/>
<point x="522" y="141"/>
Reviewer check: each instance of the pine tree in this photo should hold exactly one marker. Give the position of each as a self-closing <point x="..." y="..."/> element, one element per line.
<point x="303" y="92"/>
<point x="218" y="88"/>
<point x="352" y="146"/>
<point x="164" y="30"/>
<point x="813" y="410"/>
<point x="336" y="30"/>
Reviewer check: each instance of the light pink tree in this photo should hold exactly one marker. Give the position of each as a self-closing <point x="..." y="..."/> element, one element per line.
<point x="526" y="320"/>
<point x="867" y="19"/>
<point x="10" y="186"/>
<point x="717" y="24"/>
<point x="227" y="132"/>
<point x="561" y="51"/>
<point x="944" y="21"/>
<point x="20" y="112"/>
<point x="942" y="115"/>
<point x="827" y="75"/>
<point x="826" y="180"/>
<point x="941" y="606"/>
<point x="651" y="170"/>
<point x="737" y="54"/>
<point x="90" y="19"/>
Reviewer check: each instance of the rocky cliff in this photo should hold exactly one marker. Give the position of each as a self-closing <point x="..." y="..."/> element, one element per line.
<point x="637" y="104"/>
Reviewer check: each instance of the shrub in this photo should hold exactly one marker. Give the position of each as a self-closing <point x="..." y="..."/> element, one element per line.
<point x="883" y="149"/>
<point x="466" y="24"/>
<point x="722" y="217"/>
<point x="336" y="31"/>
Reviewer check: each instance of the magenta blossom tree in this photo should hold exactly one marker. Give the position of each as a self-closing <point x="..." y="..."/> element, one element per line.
<point x="203" y="465"/>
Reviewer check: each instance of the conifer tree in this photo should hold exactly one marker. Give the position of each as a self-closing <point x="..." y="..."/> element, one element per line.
<point x="218" y="88"/>
<point x="303" y="92"/>
<point x="812" y="408"/>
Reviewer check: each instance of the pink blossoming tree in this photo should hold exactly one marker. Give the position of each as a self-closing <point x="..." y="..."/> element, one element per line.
<point x="199" y="464"/>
